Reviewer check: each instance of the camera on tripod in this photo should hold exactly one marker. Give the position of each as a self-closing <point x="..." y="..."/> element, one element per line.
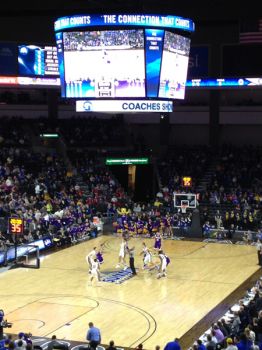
<point x="6" y="324"/>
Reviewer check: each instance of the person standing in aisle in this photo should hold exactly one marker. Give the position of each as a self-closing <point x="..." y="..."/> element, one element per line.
<point x="259" y="251"/>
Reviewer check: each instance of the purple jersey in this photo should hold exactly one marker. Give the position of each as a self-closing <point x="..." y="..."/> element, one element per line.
<point x="99" y="257"/>
<point x="167" y="260"/>
<point x="157" y="242"/>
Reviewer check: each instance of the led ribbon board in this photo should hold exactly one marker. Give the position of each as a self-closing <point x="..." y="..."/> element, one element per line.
<point x="224" y="82"/>
<point x="143" y="20"/>
<point x="127" y="161"/>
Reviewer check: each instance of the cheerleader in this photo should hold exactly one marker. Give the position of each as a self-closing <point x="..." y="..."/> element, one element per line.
<point x="139" y="227"/>
<point x="131" y="229"/>
<point x="158" y="240"/>
<point x="147" y="259"/>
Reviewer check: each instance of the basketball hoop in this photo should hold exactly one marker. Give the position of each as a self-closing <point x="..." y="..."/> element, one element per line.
<point x="184" y="205"/>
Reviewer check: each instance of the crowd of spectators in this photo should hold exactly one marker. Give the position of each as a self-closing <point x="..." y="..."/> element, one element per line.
<point x="240" y="329"/>
<point x="231" y="197"/>
<point x="81" y="41"/>
<point x="234" y="192"/>
<point x="49" y="198"/>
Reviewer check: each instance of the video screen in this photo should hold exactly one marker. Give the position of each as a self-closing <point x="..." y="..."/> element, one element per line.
<point x="37" y="60"/>
<point x="174" y="66"/>
<point x="104" y="64"/>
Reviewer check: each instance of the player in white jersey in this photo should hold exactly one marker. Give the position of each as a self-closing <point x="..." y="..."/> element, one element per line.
<point x="147" y="260"/>
<point x="90" y="258"/>
<point x="163" y="264"/>
<point x="122" y="254"/>
<point x="95" y="271"/>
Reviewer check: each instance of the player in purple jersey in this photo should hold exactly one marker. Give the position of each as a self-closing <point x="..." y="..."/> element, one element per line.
<point x="99" y="254"/>
<point x="158" y="241"/>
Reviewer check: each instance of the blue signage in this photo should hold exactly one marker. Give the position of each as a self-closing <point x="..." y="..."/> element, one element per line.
<point x="143" y="20"/>
<point x="26" y="249"/>
<point x="60" y="56"/>
<point x="154" y="46"/>
<point x="223" y="82"/>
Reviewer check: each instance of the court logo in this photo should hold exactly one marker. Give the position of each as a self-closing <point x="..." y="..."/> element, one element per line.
<point x="118" y="277"/>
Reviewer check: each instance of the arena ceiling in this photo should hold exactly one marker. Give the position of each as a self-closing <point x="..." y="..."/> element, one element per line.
<point x="202" y="10"/>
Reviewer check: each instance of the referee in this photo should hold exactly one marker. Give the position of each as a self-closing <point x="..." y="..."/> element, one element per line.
<point x="131" y="252"/>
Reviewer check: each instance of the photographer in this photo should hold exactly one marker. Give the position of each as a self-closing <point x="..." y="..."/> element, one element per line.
<point x="2" y="314"/>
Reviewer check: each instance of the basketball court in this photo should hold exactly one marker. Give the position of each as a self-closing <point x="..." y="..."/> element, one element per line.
<point x="57" y="298"/>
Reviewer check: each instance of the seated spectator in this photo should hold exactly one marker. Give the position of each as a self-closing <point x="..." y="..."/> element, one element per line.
<point x="223" y="329"/>
<point x="139" y="346"/>
<point x="210" y="344"/>
<point x="226" y="327"/>
<point x="20" y="345"/>
<point x="230" y="344"/>
<point x="200" y="345"/>
<point x="173" y="345"/>
<point x="111" y="345"/>
<point x="235" y="324"/>
<point x="20" y="341"/>
<point x="243" y="343"/>
<point x="218" y="334"/>
<point x="55" y="344"/>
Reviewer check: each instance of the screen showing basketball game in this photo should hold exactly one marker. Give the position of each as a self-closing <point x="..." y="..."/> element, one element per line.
<point x="104" y="64"/>
<point x="174" y="66"/>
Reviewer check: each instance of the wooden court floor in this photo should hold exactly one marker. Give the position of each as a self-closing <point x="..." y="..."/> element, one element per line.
<point x="57" y="298"/>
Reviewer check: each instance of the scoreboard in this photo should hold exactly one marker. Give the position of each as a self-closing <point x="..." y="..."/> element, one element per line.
<point x="123" y="56"/>
<point x="16" y="225"/>
<point x="37" y="60"/>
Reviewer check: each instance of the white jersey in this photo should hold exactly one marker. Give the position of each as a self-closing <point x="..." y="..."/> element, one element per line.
<point x="91" y="256"/>
<point x="122" y="251"/>
<point x="147" y="255"/>
<point x="163" y="262"/>
<point x="94" y="268"/>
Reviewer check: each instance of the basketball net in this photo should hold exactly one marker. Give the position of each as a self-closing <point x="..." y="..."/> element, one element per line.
<point x="183" y="208"/>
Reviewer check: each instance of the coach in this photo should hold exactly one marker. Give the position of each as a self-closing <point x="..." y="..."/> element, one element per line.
<point x="93" y="336"/>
